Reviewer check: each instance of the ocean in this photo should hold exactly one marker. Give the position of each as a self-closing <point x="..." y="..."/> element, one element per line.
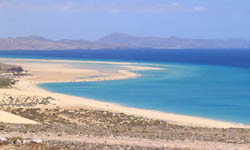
<point x="206" y="83"/>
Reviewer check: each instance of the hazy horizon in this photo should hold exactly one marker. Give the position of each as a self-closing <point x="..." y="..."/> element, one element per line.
<point x="93" y="19"/>
<point x="171" y="36"/>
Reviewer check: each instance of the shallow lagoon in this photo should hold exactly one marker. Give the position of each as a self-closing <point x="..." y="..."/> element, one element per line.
<point x="217" y="92"/>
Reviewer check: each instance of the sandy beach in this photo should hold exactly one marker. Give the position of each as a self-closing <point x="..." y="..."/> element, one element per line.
<point x="44" y="71"/>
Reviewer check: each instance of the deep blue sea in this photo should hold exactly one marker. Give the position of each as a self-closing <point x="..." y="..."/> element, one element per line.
<point x="206" y="83"/>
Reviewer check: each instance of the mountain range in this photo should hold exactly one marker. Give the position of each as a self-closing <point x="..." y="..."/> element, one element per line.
<point x="118" y="41"/>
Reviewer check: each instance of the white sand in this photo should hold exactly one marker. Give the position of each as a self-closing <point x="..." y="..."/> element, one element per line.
<point x="6" y="117"/>
<point x="62" y="73"/>
<point x="67" y="61"/>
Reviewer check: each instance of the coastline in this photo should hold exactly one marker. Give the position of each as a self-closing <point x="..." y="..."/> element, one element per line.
<point x="42" y="74"/>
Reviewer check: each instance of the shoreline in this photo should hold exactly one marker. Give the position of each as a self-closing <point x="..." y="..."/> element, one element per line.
<point x="29" y="86"/>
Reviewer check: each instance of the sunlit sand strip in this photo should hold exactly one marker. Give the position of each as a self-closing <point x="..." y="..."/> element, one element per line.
<point x="142" y="68"/>
<point x="67" y="61"/>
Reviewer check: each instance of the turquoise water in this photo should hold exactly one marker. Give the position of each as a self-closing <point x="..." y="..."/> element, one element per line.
<point x="217" y="92"/>
<point x="206" y="83"/>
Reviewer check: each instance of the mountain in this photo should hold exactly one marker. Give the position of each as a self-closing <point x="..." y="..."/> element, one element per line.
<point x="115" y="41"/>
<point x="118" y="40"/>
<point x="125" y="40"/>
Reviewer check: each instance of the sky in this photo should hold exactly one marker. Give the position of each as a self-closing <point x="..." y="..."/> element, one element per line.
<point x="93" y="19"/>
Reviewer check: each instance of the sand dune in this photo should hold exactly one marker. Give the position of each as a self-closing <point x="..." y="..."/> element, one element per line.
<point x="6" y="117"/>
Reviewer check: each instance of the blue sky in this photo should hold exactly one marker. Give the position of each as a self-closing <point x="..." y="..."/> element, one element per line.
<point x="92" y="19"/>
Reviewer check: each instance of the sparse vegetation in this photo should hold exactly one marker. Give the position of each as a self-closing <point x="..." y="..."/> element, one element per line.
<point x="6" y="82"/>
<point x="6" y="68"/>
<point x="102" y="123"/>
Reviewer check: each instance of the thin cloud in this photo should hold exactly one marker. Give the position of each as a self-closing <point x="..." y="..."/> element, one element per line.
<point x="89" y="6"/>
<point x="115" y="11"/>
<point x="163" y="8"/>
<point x="199" y="9"/>
<point x="66" y="6"/>
<point x="175" y="6"/>
<point x="4" y="3"/>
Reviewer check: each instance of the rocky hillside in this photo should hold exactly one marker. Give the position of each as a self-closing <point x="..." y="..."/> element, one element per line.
<point x="7" y="73"/>
<point x="5" y="68"/>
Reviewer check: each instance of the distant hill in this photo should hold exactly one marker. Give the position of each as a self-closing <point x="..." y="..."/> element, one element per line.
<point x="125" y="40"/>
<point x="117" y="40"/>
<point x="39" y="43"/>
